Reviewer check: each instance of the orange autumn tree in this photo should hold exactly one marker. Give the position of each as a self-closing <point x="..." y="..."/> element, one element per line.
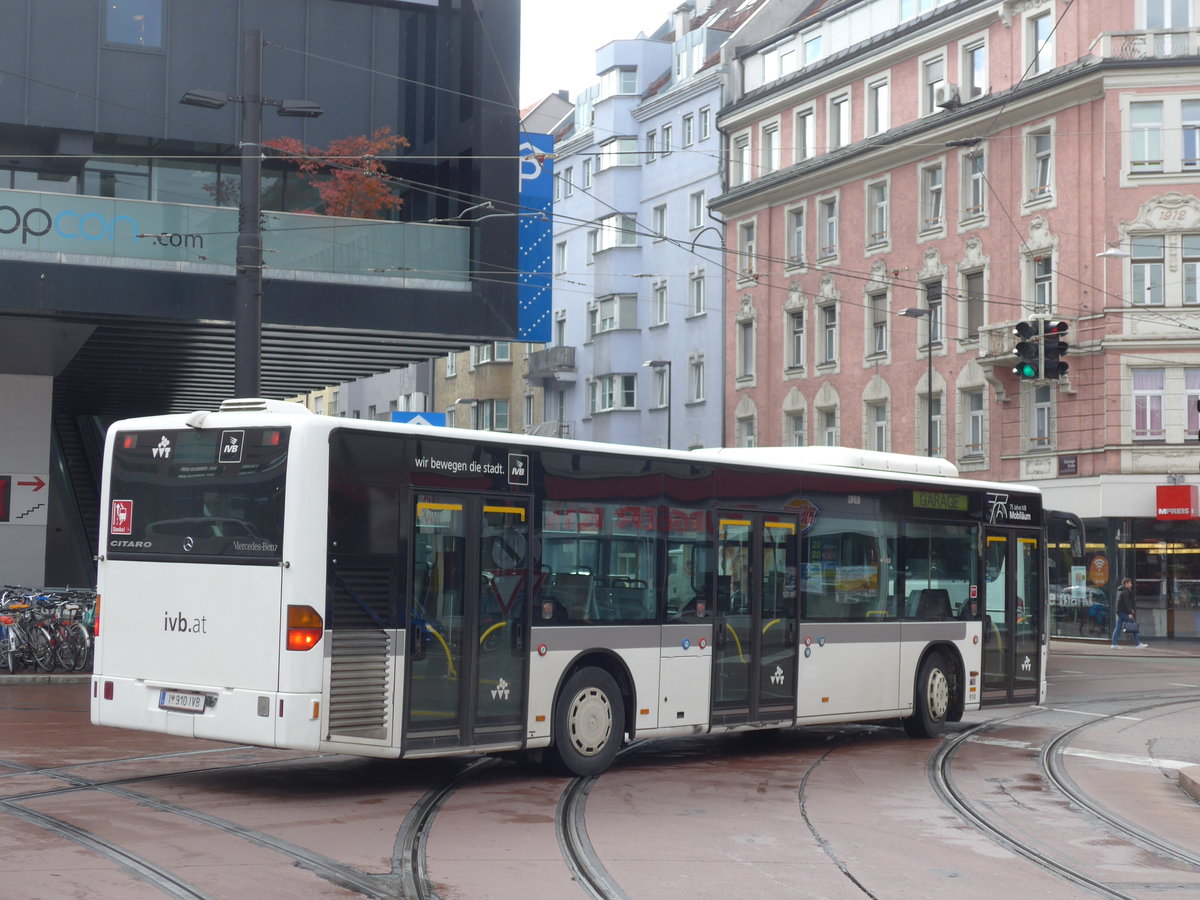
<point x="348" y="174"/>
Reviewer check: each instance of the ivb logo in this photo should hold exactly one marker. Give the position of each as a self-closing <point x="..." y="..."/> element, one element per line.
<point x="518" y="468"/>
<point x="231" y="446"/>
<point x="162" y="450"/>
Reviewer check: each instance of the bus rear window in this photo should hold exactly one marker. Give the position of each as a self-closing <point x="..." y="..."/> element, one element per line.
<point x="203" y="496"/>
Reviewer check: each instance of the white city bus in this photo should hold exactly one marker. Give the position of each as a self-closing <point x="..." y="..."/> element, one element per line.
<point x="277" y="578"/>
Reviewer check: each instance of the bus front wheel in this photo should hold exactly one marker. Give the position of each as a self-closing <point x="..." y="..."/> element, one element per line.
<point x="589" y="722"/>
<point x="931" y="699"/>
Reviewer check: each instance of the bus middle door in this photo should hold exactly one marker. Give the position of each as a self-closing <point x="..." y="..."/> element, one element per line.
<point x="466" y="654"/>
<point x="755" y="619"/>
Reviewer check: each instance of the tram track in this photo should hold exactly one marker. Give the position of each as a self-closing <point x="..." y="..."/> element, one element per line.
<point x="1052" y="769"/>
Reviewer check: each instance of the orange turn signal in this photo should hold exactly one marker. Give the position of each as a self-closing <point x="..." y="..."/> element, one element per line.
<point x="305" y="627"/>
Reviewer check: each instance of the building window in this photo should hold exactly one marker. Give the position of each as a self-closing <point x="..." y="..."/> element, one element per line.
<point x="973" y="290"/>
<point x="480" y="353"/>
<point x="746" y="436"/>
<point x="689" y="130"/>
<point x="503" y="351"/>
<point x="660" y="303"/>
<point x="770" y="148"/>
<point x="975" y="421"/>
<point x="568" y="181"/>
<point x="745" y="349"/>
<point x="877" y="309"/>
<point x="696" y="210"/>
<point x="747" y="263"/>
<point x="1191" y="383"/>
<point x="560" y="257"/>
<point x="974" y="70"/>
<point x="933" y="76"/>
<point x="796" y="434"/>
<point x="696" y="380"/>
<point x="828" y="239"/>
<point x="877" y="213"/>
<point x="618" y="152"/>
<point x="658" y="220"/>
<point x="665" y="136"/>
<point x="839" y="121"/>
<point x="1040" y="37"/>
<point x="617" y="231"/>
<point x="879" y="106"/>
<point x="1146" y="270"/>
<point x="651" y="146"/>
<point x="795" y="236"/>
<point x="1146" y="136"/>
<point x="974" y="192"/>
<point x="932" y="192"/>
<point x="611" y="392"/>
<point x="593" y="243"/>
<point x="134" y="23"/>
<point x="1039" y="425"/>
<point x="602" y="316"/>
<point x="491" y="415"/>
<point x="662" y="393"/>
<point x="619" y="80"/>
<point x="586" y="176"/>
<point x="451" y="365"/>
<point x="696" y="292"/>
<point x="878" y="419"/>
<point x="1148" y="404"/>
<point x="1190" y="121"/>
<point x="805" y="137"/>
<point x="560" y="328"/>
<point x="795" y="339"/>
<point x="829" y="343"/>
<point x="1043" y="283"/>
<point x="933" y="303"/>
<point x="705" y="123"/>
<point x="740" y="163"/>
<point x="1040" y="165"/>
<point x="829" y="433"/>
<point x="1191" y="268"/>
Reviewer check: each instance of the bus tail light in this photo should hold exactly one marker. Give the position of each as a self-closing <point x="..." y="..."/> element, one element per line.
<point x="96" y="618"/>
<point x="304" y="627"/>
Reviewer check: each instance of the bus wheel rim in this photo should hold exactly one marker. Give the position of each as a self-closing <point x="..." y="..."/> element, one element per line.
<point x="590" y="721"/>
<point x="939" y="695"/>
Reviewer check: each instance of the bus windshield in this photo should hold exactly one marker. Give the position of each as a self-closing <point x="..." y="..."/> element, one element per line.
<point x="198" y="496"/>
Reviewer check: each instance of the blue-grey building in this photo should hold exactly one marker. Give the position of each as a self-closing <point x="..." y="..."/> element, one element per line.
<point x="637" y="351"/>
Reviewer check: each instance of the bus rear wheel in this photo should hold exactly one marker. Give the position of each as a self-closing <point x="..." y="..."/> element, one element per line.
<point x="589" y="722"/>
<point x="931" y="699"/>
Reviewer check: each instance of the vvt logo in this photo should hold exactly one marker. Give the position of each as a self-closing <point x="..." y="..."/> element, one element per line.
<point x="163" y="450"/>
<point x="500" y="691"/>
<point x="777" y="678"/>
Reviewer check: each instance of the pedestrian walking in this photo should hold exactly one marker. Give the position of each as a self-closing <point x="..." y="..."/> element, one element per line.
<point x="1126" y="618"/>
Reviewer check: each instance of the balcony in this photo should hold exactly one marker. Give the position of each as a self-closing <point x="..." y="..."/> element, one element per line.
<point x="1159" y="44"/>
<point x="552" y="364"/>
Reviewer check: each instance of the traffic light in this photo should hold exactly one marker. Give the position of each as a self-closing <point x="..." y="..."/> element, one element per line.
<point x="1054" y="348"/>
<point x="1027" y="350"/>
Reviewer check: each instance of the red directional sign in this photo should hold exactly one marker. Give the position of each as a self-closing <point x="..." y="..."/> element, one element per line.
<point x="22" y="499"/>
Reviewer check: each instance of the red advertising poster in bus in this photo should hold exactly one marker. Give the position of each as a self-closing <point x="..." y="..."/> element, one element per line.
<point x="122" y="517"/>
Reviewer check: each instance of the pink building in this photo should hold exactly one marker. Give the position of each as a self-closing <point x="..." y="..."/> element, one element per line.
<point x="967" y="162"/>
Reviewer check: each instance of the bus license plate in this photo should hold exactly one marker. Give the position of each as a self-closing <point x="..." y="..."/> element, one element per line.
<point x="181" y="700"/>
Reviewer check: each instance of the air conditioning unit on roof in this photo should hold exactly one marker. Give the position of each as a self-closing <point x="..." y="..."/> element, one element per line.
<point x="948" y="96"/>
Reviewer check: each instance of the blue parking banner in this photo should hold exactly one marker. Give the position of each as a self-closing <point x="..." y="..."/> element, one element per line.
<point x="534" y="292"/>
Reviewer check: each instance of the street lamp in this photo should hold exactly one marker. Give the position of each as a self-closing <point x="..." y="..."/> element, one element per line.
<point x="917" y="313"/>
<point x="658" y="365"/>
<point x="247" y="311"/>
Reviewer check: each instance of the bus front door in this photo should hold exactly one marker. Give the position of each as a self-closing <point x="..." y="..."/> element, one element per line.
<point x="466" y="654"/>
<point x="1012" y="626"/>
<point x="755" y="619"/>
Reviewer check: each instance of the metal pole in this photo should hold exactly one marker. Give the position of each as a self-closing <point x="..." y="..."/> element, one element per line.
<point x="669" y="404"/>
<point x="929" y="388"/>
<point x="247" y="313"/>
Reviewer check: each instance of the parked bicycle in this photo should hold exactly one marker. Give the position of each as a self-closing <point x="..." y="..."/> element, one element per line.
<point x="45" y="629"/>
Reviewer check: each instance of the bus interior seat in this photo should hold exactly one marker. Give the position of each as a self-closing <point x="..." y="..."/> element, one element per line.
<point x="573" y="592"/>
<point x="934" y="604"/>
